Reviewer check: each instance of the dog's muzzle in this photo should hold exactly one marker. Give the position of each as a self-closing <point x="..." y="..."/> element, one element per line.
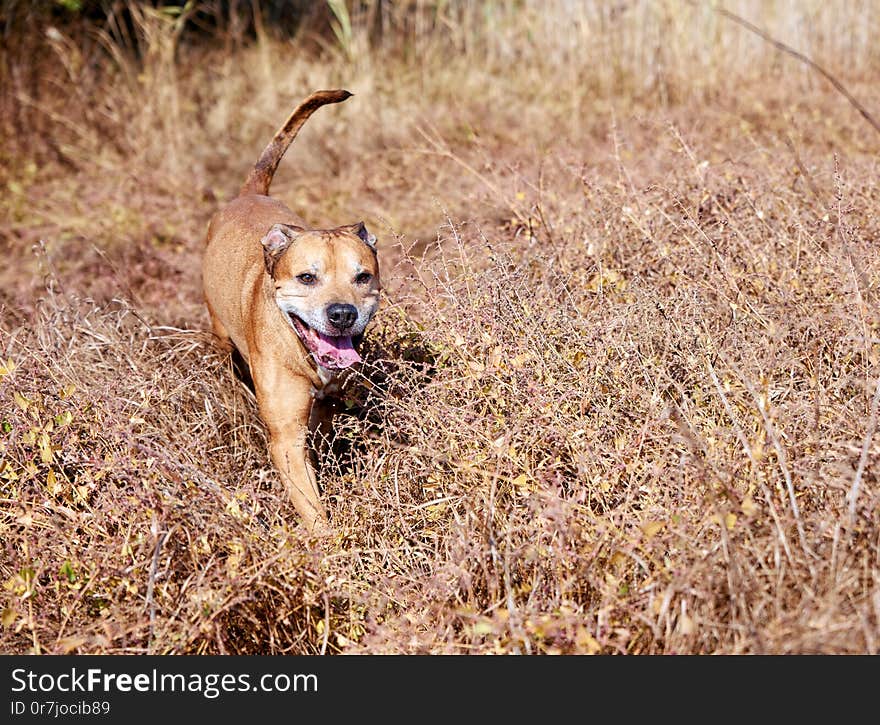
<point x="334" y="352"/>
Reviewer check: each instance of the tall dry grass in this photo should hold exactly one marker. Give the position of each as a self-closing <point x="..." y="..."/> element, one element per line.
<point x="622" y="392"/>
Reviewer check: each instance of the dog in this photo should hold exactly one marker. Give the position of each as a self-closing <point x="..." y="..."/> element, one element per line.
<point x="294" y="302"/>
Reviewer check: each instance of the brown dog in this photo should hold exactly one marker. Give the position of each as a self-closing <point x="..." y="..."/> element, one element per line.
<point x="293" y="301"/>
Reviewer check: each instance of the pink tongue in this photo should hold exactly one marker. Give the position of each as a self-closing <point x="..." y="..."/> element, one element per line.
<point x="337" y="349"/>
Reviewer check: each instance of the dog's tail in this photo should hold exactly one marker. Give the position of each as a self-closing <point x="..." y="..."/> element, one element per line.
<point x="260" y="178"/>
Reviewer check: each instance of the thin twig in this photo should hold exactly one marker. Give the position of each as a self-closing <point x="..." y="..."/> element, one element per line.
<point x="853" y="494"/>
<point x="326" y="624"/>
<point x="782" y="461"/>
<point x="150" y="603"/>
<point x="748" y="450"/>
<point x="801" y="57"/>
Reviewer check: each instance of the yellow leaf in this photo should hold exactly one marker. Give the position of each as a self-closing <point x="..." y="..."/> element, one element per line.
<point x="729" y="520"/>
<point x="236" y="554"/>
<point x="6" y="367"/>
<point x="523" y="485"/>
<point x="585" y="641"/>
<point x="686" y="625"/>
<point x="46" y="454"/>
<point x="68" y="644"/>
<point x="618" y="558"/>
<point x="748" y="506"/>
<point x="233" y="509"/>
<point x="64" y="418"/>
<point x="20" y="400"/>
<point x="436" y="511"/>
<point x="484" y="626"/>
<point x="608" y="279"/>
<point x="650" y="528"/>
<point x="7" y="617"/>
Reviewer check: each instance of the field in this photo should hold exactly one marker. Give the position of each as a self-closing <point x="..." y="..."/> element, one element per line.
<point x="622" y="392"/>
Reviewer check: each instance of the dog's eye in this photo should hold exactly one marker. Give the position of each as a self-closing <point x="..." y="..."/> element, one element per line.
<point x="306" y="278"/>
<point x="363" y="278"/>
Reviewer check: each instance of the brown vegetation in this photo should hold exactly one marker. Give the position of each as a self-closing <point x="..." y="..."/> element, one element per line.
<point x="622" y="395"/>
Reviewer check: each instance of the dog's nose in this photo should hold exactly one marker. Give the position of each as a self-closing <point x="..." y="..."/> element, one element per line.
<point x="342" y="316"/>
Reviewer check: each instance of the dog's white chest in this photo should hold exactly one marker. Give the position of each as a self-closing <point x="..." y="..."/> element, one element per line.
<point x="330" y="383"/>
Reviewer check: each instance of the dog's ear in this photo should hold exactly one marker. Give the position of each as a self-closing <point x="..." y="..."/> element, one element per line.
<point x="360" y="230"/>
<point x="276" y="242"/>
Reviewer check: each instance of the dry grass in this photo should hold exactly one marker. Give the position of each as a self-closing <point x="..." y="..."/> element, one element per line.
<point x="622" y="395"/>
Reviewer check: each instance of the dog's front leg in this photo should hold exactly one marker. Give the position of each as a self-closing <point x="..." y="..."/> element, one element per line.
<point x="285" y="403"/>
